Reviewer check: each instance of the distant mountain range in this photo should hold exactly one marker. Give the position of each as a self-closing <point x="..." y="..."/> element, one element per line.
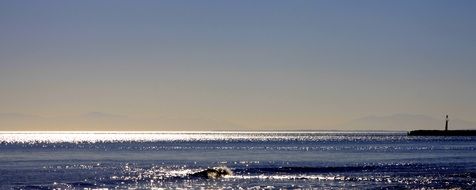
<point x="101" y="121"/>
<point x="107" y="121"/>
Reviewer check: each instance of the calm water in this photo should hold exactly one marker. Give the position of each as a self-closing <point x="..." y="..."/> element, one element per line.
<point x="331" y="160"/>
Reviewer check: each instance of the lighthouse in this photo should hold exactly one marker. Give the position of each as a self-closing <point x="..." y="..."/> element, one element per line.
<point x="446" y="125"/>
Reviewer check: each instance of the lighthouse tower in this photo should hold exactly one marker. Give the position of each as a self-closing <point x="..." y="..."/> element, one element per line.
<point x="446" y="126"/>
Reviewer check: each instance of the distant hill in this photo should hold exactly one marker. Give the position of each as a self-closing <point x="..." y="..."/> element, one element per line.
<point x="106" y="121"/>
<point x="404" y="122"/>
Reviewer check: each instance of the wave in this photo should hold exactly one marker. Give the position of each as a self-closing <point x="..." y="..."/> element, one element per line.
<point x="212" y="173"/>
<point x="411" y="176"/>
<point x="294" y="170"/>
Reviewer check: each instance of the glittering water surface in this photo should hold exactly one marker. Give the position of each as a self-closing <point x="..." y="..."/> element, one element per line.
<point x="259" y="160"/>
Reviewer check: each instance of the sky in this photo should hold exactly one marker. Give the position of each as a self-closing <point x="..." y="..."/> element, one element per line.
<point x="233" y="65"/>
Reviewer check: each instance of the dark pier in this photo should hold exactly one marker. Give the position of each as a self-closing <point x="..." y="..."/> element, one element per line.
<point x="445" y="132"/>
<point x="442" y="133"/>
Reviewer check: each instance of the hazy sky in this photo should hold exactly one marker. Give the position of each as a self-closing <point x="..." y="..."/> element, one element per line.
<point x="236" y="64"/>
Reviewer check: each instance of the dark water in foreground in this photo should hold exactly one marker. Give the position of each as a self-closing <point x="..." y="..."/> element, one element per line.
<point x="340" y="160"/>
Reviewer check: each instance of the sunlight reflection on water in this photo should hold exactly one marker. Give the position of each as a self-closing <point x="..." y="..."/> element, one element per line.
<point x="258" y="159"/>
<point x="94" y="137"/>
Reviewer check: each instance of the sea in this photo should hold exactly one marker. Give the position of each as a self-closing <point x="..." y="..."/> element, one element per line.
<point x="256" y="159"/>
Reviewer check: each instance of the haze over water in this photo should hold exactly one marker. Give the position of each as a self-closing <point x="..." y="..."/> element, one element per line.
<point x="247" y="65"/>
